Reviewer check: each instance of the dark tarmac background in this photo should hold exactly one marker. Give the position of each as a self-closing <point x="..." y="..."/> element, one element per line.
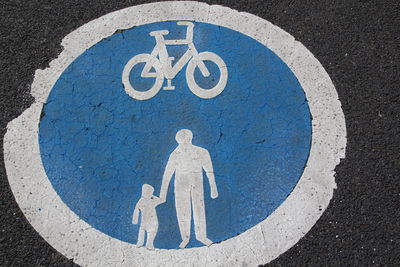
<point x="357" y="42"/>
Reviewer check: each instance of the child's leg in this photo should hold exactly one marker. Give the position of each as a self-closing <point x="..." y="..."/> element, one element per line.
<point x="150" y="239"/>
<point x="140" y="238"/>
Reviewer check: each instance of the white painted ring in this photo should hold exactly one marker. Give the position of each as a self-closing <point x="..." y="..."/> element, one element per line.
<point x="76" y="239"/>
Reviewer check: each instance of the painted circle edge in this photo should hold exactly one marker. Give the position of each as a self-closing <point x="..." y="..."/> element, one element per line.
<point x="76" y="239"/>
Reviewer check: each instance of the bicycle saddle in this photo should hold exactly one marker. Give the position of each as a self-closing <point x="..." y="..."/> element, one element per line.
<point x="162" y="32"/>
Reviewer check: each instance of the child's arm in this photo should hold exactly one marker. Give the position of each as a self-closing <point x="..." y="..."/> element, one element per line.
<point x="135" y="217"/>
<point x="157" y="200"/>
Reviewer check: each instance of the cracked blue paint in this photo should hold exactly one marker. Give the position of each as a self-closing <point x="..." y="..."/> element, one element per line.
<point x="99" y="146"/>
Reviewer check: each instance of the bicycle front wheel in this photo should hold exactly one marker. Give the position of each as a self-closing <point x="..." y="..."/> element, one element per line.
<point x="157" y="74"/>
<point x="193" y="85"/>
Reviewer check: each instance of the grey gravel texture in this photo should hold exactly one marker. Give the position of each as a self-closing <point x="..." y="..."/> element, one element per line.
<point x="357" y="42"/>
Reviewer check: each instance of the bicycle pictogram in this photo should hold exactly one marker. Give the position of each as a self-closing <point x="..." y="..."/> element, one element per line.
<point x="158" y="65"/>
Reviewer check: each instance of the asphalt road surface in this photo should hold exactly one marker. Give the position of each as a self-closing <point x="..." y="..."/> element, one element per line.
<point x="357" y="42"/>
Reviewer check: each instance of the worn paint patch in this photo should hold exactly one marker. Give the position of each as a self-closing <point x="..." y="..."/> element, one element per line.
<point x="47" y="211"/>
<point x="99" y="145"/>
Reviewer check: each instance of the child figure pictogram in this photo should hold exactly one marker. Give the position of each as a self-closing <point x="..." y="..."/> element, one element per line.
<point x="149" y="221"/>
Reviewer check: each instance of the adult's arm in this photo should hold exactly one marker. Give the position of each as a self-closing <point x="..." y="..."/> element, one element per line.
<point x="169" y="171"/>
<point x="208" y="168"/>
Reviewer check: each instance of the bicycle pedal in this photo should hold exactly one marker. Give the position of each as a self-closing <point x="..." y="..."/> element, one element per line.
<point x="168" y="88"/>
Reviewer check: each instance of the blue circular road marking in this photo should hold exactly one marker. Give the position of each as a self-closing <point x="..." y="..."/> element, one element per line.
<point x="99" y="145"/>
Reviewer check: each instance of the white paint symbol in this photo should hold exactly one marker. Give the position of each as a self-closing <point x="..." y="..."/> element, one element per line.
<point x="187" y="161"/>
<point x="161" y="63"/>
<point x="149" y="221"/>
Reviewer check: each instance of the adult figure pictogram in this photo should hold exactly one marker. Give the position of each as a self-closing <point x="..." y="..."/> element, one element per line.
<point x="187" y="161"/>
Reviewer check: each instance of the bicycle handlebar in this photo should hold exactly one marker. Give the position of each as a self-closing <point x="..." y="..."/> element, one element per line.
<point x="189" y="32"/>
<point x="185" y="23"/>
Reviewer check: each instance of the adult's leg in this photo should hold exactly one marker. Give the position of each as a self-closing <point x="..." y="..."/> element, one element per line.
<point x="199" y="213"/>
<point x="183" y="212"/>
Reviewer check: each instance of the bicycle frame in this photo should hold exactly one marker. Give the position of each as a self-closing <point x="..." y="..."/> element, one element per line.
<point x="160" y="50"/>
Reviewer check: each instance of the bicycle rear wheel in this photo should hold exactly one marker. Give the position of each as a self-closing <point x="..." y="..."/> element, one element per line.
<point x="159" y="77"/>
